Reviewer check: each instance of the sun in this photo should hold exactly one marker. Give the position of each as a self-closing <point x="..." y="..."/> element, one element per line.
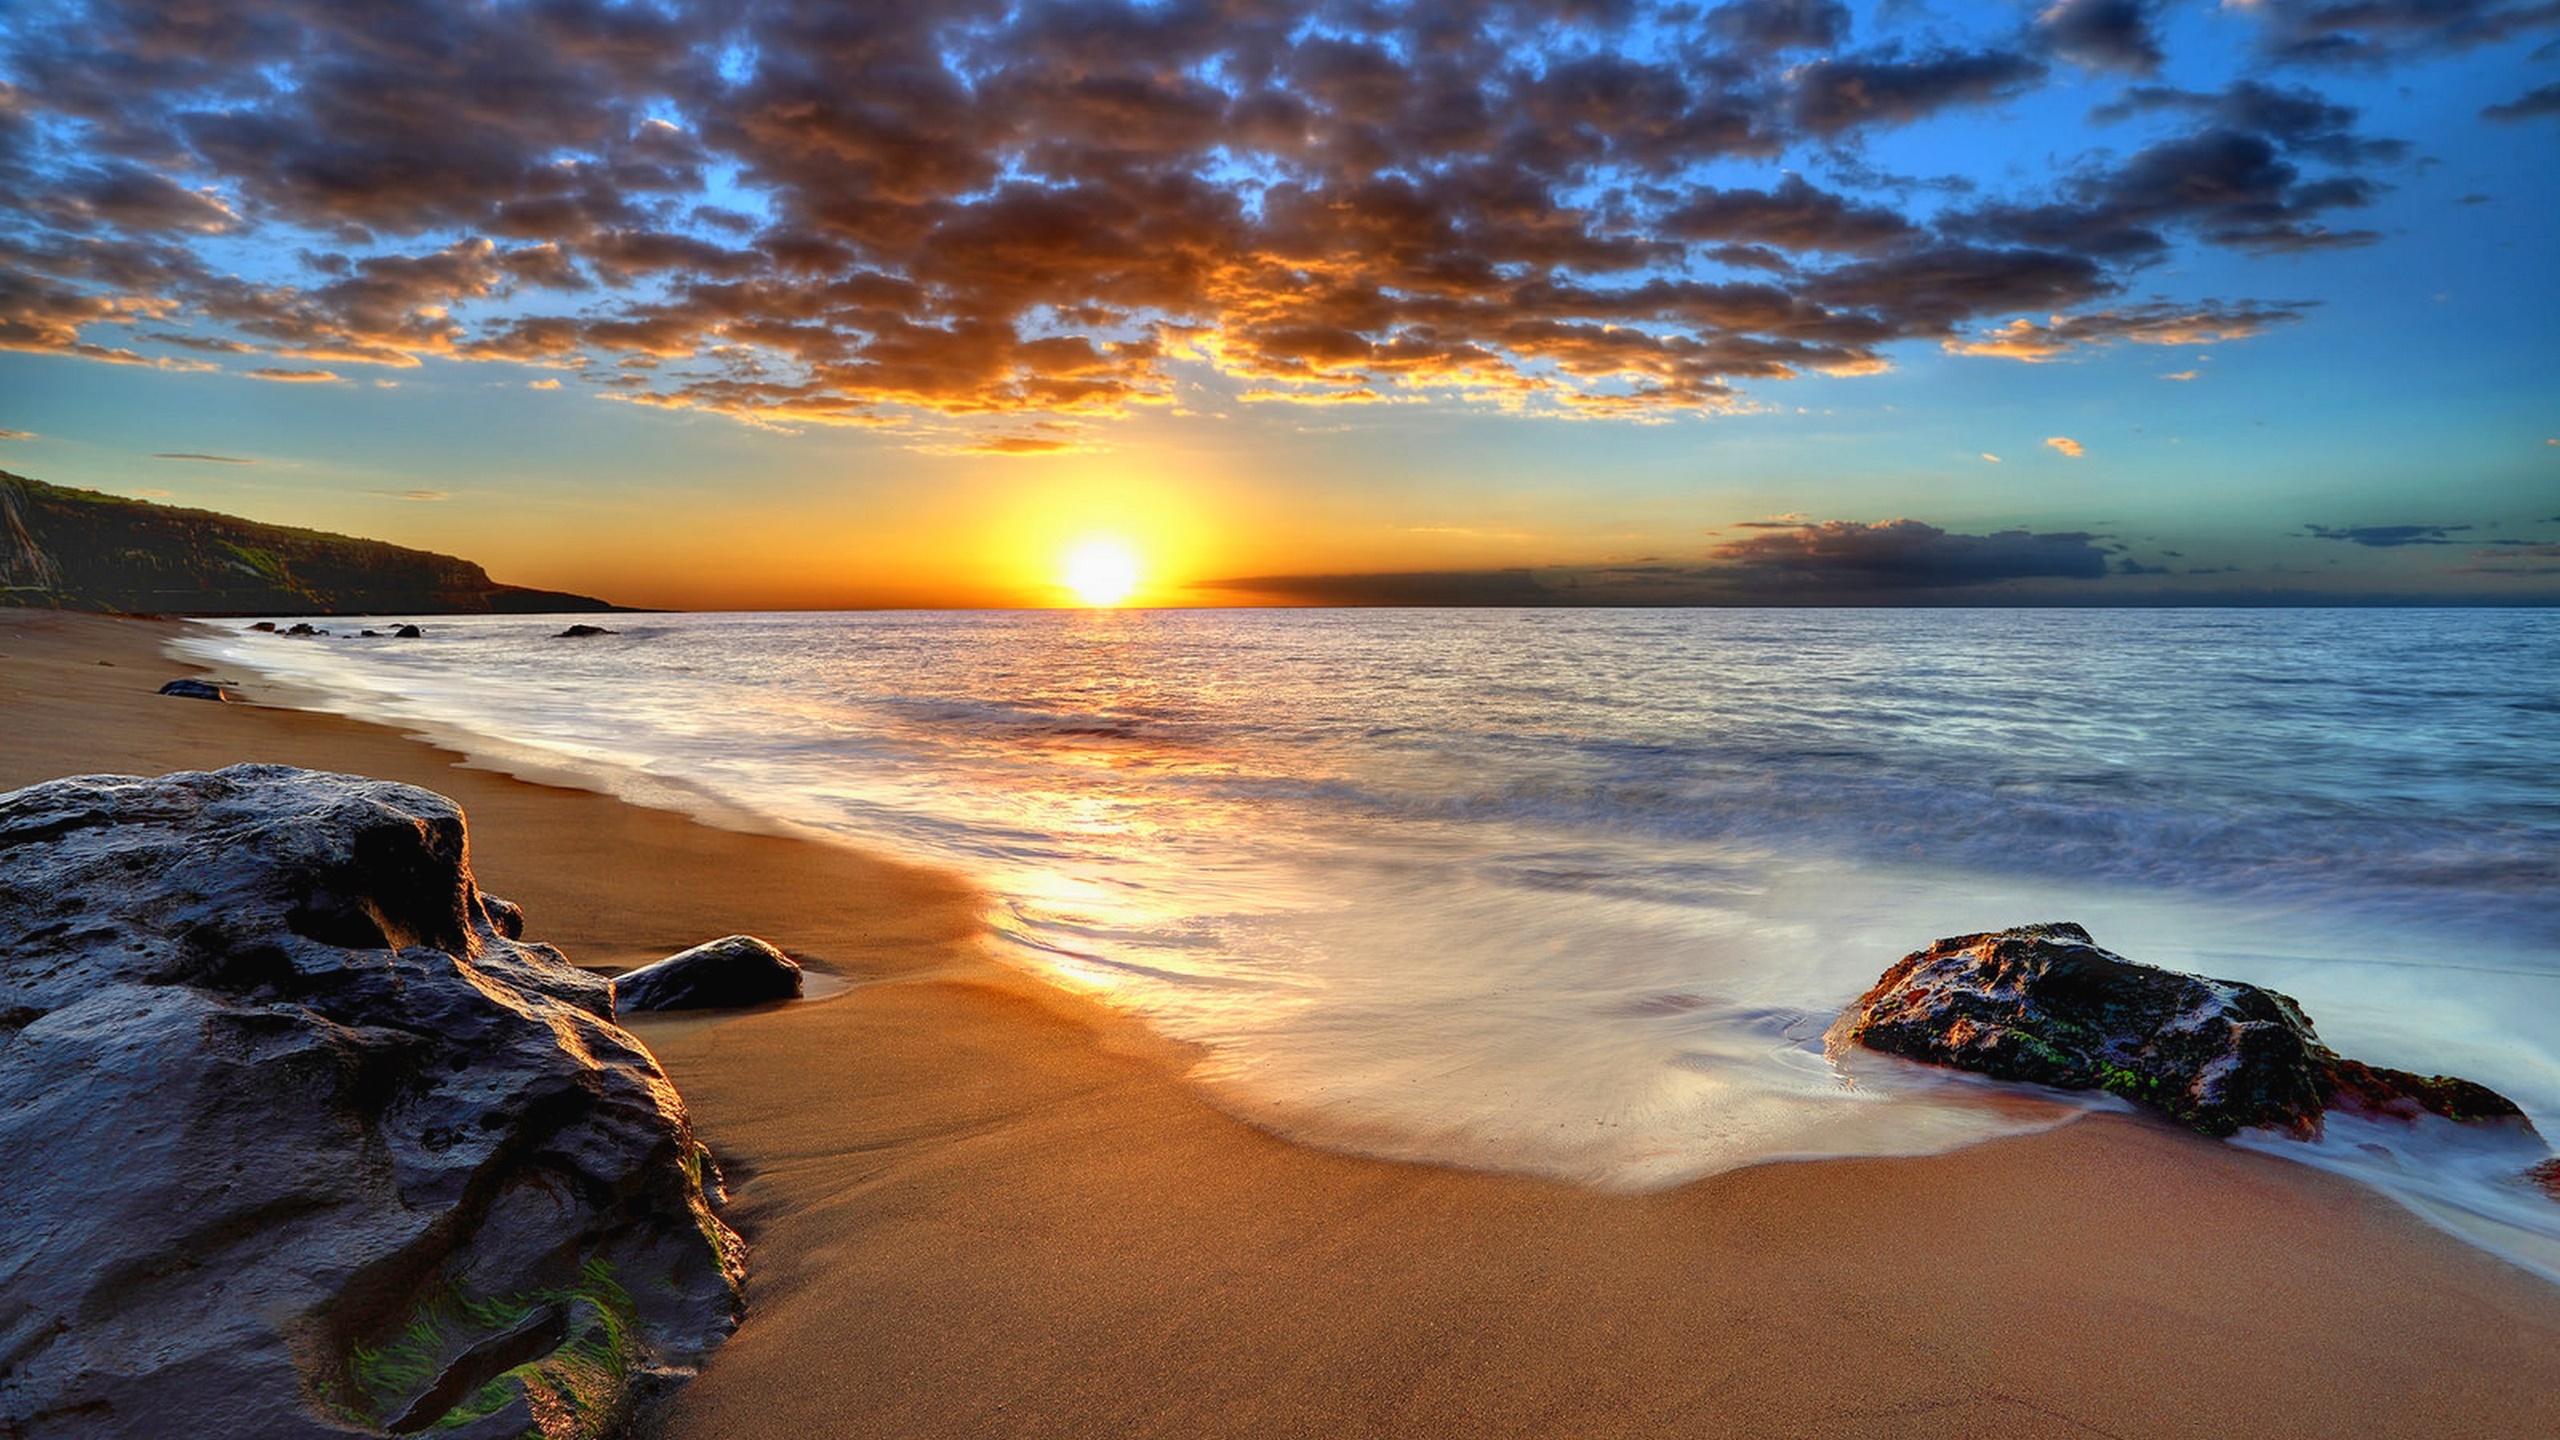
<point x="1102" y="571"/>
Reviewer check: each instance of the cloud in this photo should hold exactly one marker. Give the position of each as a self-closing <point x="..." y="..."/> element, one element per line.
<point x="2533" y="104"/>
<point x="1994" y="459"/>
<point x="1911" y="554"/>
<point x="2520" y="558"/>
<point x="1833" y="97"/>
<point x="207" y="459"/>
<point x="2159" y="323"/>
<point x="2181" y="375"/>
<point x="1766" y="27"/>
<point x="427" y="497"/>
<point x="2386" y="536"/>
<point x="285" y="375"/>
<point x="1059" y="210"/>
<point x="2375" y="32"/>
<point x="2104" y="34"/>
<point x="1020" y="445"/>
<point x="2068" y="446"/>
<point x="17" y="434"/>
<point x="542" y="384"/>
<point x="2229" y="187"/>
<point x="1793" y="216"/>
<point x="2295" y="118"/>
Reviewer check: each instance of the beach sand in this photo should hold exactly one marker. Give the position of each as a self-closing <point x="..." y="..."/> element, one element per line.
<point x="979" y="1207"/>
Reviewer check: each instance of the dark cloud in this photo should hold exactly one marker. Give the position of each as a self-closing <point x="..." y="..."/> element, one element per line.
<point x="1834" y="97"/>
<point x="1793" y="216"/>
<point x="2104" y="34"/>
<point x="2374" y="32"/>
<point x="970" y="208"/>
<point x="1766" y="27"/>
<point x="2533" y="104"/>
<point x="2236" y="181"/>
<point x="1786" y="561"/>
<point x="2298" y="120"/>
<point x="2207" y="322"/>
<point x="2387" y="536"/>
<point x="207" y="459"/>
<point x="1912" y="554"/>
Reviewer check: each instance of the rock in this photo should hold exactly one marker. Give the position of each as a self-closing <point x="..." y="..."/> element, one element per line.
<point x="304" y="628"/>
<point x="731" y="971"/>
<point x="2546" y="1177"/>
<point x="407" y="632"/>
<point x="2043" y="1003"/>
<point x="269" y="626"/>
<point x="580" y="632"/>
<point x="505" y="916"/>
<point x="197" y="690"/>
<point x="302" y="1143"/>
<point x="368" y="634"/>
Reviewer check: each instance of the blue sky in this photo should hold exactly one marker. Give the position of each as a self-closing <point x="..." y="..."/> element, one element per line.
<point x="1650" y="302"/>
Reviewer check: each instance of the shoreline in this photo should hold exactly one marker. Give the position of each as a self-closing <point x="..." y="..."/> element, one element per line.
<point x="977" y="1207"/>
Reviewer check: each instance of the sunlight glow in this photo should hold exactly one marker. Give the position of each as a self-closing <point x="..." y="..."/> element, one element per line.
<point x="1102" y="571"/>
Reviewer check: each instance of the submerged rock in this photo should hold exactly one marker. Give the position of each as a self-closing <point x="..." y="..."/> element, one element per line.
<point x="2546" y="1177"/>
<point x="198" y="690"/>
<point x="408" y="632"/>
<point x="731" y="971"/>
<point x="303" y="1144"/>
<point x="580" y="632"/>
<point x="2043" y="1003"/>
<point x="269" y="626"/>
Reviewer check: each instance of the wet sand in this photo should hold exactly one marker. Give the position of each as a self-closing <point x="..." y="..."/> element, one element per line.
<point x="979" y="1207"/>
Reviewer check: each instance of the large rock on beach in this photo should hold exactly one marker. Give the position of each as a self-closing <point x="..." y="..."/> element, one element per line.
<point x="731" y="971"/>
<point x="303" y="1144"/>
<point x="2043" y="1003"/>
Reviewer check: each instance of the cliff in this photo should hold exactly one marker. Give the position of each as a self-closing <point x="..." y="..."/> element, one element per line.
<point x="81" y="550"/>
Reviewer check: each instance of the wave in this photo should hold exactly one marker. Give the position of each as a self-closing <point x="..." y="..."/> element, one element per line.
<point x="1566" y="894"/>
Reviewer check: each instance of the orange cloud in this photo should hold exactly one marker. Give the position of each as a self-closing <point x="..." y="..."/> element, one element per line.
<point x="2066" y="445"/>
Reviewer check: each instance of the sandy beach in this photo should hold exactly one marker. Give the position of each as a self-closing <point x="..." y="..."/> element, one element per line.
<point x="981" y="1207"/>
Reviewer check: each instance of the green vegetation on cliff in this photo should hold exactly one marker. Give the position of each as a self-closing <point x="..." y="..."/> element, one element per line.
<point x="82" y="550"/>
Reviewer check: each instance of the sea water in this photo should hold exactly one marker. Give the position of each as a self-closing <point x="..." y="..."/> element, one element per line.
<point x="1575" y="893"/>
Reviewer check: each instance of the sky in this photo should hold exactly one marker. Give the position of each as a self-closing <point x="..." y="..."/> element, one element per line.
<point x="1774" y="301"/>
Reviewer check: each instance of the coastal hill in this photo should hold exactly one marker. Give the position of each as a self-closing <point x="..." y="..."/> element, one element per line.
<point x="82" y="550"/>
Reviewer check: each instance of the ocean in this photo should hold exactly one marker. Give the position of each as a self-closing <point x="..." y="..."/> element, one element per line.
<point x="1575" y="893"/>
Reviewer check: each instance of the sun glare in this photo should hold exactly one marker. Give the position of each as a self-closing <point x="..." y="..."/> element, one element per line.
<point x="1102" y="571"/>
